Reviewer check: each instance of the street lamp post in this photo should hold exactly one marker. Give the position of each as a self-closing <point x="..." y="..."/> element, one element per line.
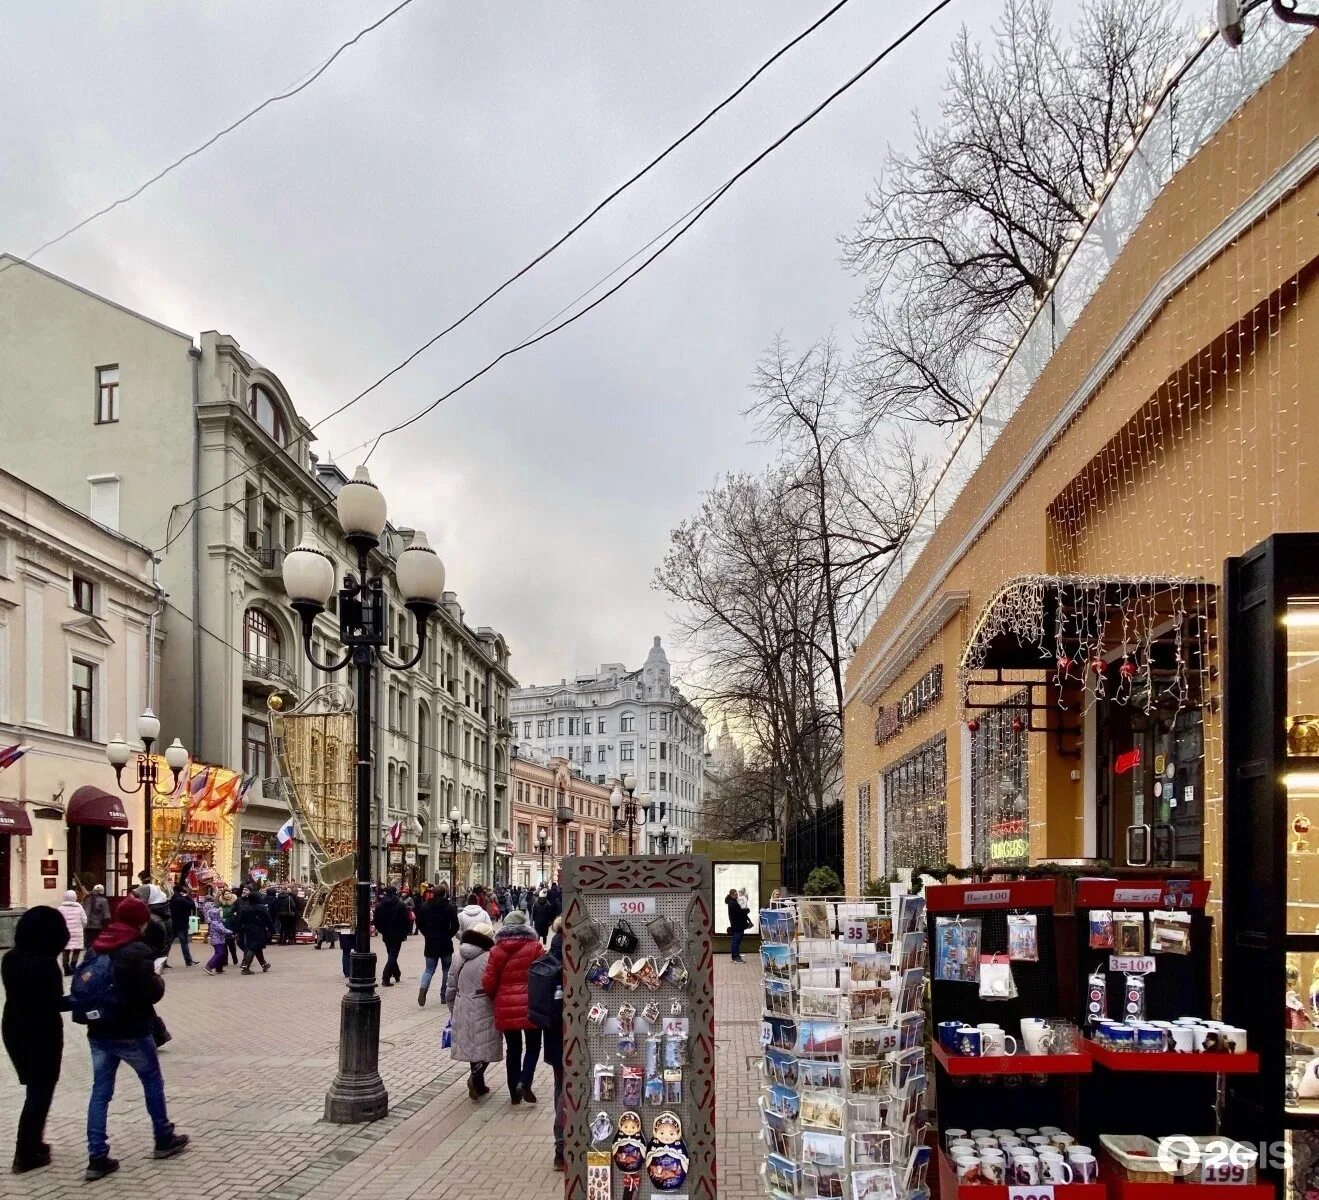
<point x="629" y="812"/>
<point x="663" y="838"/>
<point x="457" y="831"/>
<point x="358" y="1093"/>
<point x="119" y="752"/>
<point x="543" y="845"/>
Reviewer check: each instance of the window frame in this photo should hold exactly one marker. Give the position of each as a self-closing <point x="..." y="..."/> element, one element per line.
<point x="78" y="584"/>
<point x="107" y="395"/>
<point x="80" y="697"/>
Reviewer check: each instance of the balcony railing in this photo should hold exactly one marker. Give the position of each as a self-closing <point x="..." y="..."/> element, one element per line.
<point x="269" y="558"/>
<point x="270" y="670"/>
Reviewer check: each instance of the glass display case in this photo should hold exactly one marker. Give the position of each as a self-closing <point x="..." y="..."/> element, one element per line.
<point x="1271" y="838"/>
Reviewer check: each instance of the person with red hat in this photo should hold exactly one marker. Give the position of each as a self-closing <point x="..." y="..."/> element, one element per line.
<point x="115" y="991"/>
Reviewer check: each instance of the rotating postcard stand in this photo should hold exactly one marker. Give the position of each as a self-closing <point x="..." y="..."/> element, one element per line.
<point x="843" y="1066"/>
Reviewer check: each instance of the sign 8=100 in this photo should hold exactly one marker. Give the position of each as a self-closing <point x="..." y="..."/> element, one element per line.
<point x="632" y="906"/>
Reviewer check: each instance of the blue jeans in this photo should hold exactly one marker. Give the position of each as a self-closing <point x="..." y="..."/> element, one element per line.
<point x="140" y="1054"/>
<point x="735" y="937"/>
<point x="181" y="936"/>
<point x="443" y="961"/>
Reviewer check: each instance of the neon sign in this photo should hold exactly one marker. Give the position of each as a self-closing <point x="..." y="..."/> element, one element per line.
<point x="1128" y="760"/>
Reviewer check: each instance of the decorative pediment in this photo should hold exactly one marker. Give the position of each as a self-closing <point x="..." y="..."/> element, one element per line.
<point x="90" y="628"/>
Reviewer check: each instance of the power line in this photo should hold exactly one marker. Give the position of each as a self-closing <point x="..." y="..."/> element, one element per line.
<point x="209" y="142"/>
<point x="618" y="191"/>
<point x="704" y="208"/>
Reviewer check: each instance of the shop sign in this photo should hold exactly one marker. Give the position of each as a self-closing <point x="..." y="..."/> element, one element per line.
<point x="50" y="866"/>
<point x="168" y="822"/>
<point x="987" y="896"/>
<point x="409" y="858"/>
<point x="1128" y="760"/>
<point x="49" y="884"/>
<point x="923" y="695"/>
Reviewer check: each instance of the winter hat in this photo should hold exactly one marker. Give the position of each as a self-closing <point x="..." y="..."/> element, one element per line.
<point x="516" y="917"/>
<point x="485" y="929"/>
<point x="71" y="895"/>
<point x="132" y="911"/>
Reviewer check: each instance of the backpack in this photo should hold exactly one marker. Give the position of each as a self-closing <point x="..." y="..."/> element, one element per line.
<point x="92" y="995"/>
<point x="545" y="992"/>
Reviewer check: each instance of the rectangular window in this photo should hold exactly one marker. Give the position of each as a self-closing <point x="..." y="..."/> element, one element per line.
<point x="654" y="718"/>
<point x="103" y="502"/>
<point x="84" y="697"/>
<point x="627" y="724"/>
<point x="600" y="779"/>
<point x="107" y="394"/>
<point x="626" y="752"/>
<point x="84" y="594"/>
<point x="561" y="727"/>
<point x="916" y="807"/>
<point x="526" y="729"/>
<point x="570" y="752"/>
<point x="664" y="781"/>
<point x="652" y="781"/>
<point x="590" y="844"/>
<point x="540" y="729"/>
<point x="652" y="751"/>
<point x="524" y="839"/>
<point x="586" y="754"/>
<point x="664" y="720"/>
<point x="600" y="755"/>
<point x="664" y="751"/>
<point x="1000" y="832"/>
<point x="256" y="747"/>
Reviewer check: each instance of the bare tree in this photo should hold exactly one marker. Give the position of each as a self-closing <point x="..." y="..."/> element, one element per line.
<point x="745" y="806"/>
<point x="961" y="236"/>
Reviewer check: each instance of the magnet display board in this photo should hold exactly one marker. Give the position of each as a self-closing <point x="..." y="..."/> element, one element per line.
<point x="677" y="889"/>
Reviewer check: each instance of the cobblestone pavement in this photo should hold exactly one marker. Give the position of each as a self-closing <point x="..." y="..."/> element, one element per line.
<point x="246" y="1076"/>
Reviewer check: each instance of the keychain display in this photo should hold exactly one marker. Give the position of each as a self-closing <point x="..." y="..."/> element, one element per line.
<point x="1096" y="997"/>
<point x="630" y="1086"/>
<point x="1023" y="937"/>
<point x="1133" y="998"/>
<point x="672" y="1086"/>
<point x="602" y="1129"/>
<point x="996" y="981"/>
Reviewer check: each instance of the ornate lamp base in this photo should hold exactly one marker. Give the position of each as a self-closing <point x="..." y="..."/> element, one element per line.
<point x="358" y="1093"/>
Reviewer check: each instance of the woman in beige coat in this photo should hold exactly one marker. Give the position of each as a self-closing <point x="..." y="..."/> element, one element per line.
<point x="476" y="1041"/>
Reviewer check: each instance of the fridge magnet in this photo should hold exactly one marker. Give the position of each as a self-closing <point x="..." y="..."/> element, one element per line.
<point x="605" y="1083"/>
<point x="672" y="1085"/>
<point x="675" y="1008"/>
<point x="629" y="1152"/>
<point x="1101" y="929"/>
<point x="654" y="1092"/>
<point x="666" y="1156"/>
<point x="598" y="1175"/>
<point x="1023" y="937"/>
<point x="675" y="1050"/>
<point x="1170" y="933"/>
<point x="627" y="1016"/>
<point x="957" y="949"/>
<point x="602" y="1129"/>
<point x="629" y="1087"/>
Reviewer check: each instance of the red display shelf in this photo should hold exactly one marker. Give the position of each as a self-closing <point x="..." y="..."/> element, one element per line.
<point x="1195" y="1064"/>
<point x="1142" y="893"/>
<point x="949" y="1188"/>
<point x="1017" y="893"/>
<point x="1015" y="1064"/>
<point x="1122" y="1189"/>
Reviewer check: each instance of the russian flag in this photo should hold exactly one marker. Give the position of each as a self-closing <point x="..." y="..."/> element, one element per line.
<point x="285" y="835"/>
<point x="9" y="755"/>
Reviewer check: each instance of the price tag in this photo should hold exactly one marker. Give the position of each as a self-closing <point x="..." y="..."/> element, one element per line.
<point x="1031" y="1191"/>
<point x="1132" y="964"/>
<point x="1223" y="1170"/>
<point x="854" y="931"/>
<point x="632" y="906"/>
<point x="766" y="1033"/>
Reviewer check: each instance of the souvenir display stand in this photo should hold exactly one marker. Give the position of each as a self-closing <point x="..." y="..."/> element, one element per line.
<point x="638" y="1052"/>
<point x="843" y="1102"/>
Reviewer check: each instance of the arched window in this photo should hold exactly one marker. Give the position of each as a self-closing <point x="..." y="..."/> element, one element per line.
<point x="266" y="413"/>
<point x="260" y="635"/>
<point x="627" y="723"/>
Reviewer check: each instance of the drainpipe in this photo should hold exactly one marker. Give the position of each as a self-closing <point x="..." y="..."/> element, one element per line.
<point x="491" y="832"/>
<point x="151" y="632"/>
<point x="196" y="560"/>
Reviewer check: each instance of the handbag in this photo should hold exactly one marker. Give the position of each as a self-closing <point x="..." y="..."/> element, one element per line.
<point x="623" y="940"/>
<point x="446" y="1035"/>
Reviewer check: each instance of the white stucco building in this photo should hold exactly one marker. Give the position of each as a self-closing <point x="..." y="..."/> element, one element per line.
<point x="617" y="722"/>
<point x="125" y="419"/>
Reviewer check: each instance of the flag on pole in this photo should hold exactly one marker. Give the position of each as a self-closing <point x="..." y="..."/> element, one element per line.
<point x="396" y="833"/>
<point x="9" y="755"/>
<point x="285" y="835"/>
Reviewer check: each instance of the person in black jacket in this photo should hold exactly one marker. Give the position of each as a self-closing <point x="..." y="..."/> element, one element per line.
<point x="553" y="1052"/>
<point x="32" y="1029"/>
<point x="437" y="922"/>
<point x="123" y="1034"/>
<point x="542" y="915"/>
<point x="181" y="911"/>
<point x="739" y="921"/>
<point x="392" y="924"/>
<point x="286" y="913"/>
<point x="255" y="926"/>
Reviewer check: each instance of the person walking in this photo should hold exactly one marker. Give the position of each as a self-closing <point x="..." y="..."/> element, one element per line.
<point x="739" y="921"/>
<point x="98" y="913"/>
<point x="75" y="919"/>
<point x="32" y="1028"/>
<point x="392" y="924"/>
<point x="155" y="900"/>
<point x="181" y="911"/>
<point x="545" y="1007"/>
<point x="541" y="916"/>
<point x="437" y="922"/>
<point x="217" y="936"/>
<point x="227" y="902"/>
<point x="286" y="912"/>
<point x="475" y="1040"/>
<point x="505" y="981"/>
<point x="472" y="914"/>
<point x="115" y="993"/>
<point x="252" y="918"/>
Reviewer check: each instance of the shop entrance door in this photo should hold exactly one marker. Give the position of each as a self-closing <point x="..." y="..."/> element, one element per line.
<point x="87" y="855"/>
<point x="1150" y="793"/>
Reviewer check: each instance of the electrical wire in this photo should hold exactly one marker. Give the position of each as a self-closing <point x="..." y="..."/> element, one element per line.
<point x="618" y="191"/>
<point x="209" y="142"/>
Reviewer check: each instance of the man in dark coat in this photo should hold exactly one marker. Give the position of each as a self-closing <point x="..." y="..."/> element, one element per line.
<point x="32" y="1029"/>
<point x="739" y="921"/>
<point x="286" y="911"/>
<point x="181" y="911"/>
<point x="437" y="922"/>
<point x="124" y="1035"/>
<point x="542" y="916"/>
<point x="255" y="926"/>
<point x="556" y="901"/>
<point x="392" y="924"/>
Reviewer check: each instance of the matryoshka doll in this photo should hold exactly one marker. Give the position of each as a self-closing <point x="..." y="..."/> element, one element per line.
<point x="666" y="1156"/>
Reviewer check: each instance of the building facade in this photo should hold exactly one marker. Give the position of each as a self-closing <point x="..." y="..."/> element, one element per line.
<point x="573" y="813"/>
<point x="619" y="722"/>
<point x="1042" y="680"/>
<point x="126" y="419"/>
<point x="77" y="606"/>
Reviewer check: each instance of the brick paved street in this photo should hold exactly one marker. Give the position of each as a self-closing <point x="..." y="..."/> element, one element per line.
<point x="246" y="1076"/>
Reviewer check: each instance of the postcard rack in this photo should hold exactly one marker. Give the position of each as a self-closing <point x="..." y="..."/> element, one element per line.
<point x="843" y="1100"/>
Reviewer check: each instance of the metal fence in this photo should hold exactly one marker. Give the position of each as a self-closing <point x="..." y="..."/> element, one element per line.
<point x="813" y="842"/>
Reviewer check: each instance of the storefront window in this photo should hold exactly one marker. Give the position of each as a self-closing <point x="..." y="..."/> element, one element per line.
<point x="261" y="859"/>
<point x="1302" y="776"/>
<point x="916" y="807"/>
<point x="1000" y="827"/>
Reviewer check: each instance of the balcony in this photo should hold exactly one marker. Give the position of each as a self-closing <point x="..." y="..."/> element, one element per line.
<point x="269" y="674"/>
<point x="270" y="559"/>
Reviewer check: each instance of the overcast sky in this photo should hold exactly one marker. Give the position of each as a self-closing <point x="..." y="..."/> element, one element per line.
<point x="337" y="231"/>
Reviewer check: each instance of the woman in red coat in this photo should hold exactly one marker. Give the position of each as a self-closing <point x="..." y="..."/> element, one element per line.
<point x="505" y="980"/>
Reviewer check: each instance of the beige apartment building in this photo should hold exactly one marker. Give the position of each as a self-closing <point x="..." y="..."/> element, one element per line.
<point x="125" y="419"/>
<point x="76" y="609"/>
<point x="551" y="799"/>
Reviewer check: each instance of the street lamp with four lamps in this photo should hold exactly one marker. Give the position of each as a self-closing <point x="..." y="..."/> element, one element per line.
<point x="629" y="811"/>
<point x="456" y="830"/>
<point x="119" y="752"/>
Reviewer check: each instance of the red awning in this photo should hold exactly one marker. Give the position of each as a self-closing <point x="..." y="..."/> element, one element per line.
<point x="14" y="818"/>
<point x="91" y="806"/>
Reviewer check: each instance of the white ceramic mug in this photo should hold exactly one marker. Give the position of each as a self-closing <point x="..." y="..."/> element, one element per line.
<point x="1183" y="1039"/>
<point x="1084" y="1168"/>
<point x="1235" y="1037"/>
<point x="1026" y="1170"/>
<point x="1026" y="1131"/>
<point x="967" y="1168"/>
<point x="1198" y="1035"/>
<point x="961" y="1147"/>
<point x="993" y="1167"/>
<point x="1050" y="1130"/>
<point x="953" y="1135"/>
<point x="1039" y="1141"/>
<point x="1077" y="1149"/>
<point x="976" y="1134"/>
<point x="1036" y="1036"/>
<point x="994" y="1042"/>
<point x="1054" y="1169"/>
<point x="1061" y="1141"/>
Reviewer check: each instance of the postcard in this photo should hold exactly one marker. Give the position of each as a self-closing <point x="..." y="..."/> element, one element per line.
<point x="874" y="967"/>
<point x="777" y="961"/>
<point x="819" y="951"/>
<point x="868" y="1078"/>
<point x="781" y="1067"/>
<point x="784" y="1101"/>
<point x="826" y="1003"/>
<point x="776" y="926"/>
<point x="957" y="949"/>
<point x="870" y="1003"/>
<point x="829" y="1182"/>
<point x="820" y="977"/>
<point x="783" y="1173"/>
<point x="813" y="916"/>
<point x="822" y="1110"/>
<point x="820" y="1073"/>
<point x="819" y="1037"/>
<point x="778" y="997"/>
<point x="823" y="1149"/>
<point x="782" y="1033"/>
<point x="873" y="1148"/>
<point x="870" y="1041"/>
